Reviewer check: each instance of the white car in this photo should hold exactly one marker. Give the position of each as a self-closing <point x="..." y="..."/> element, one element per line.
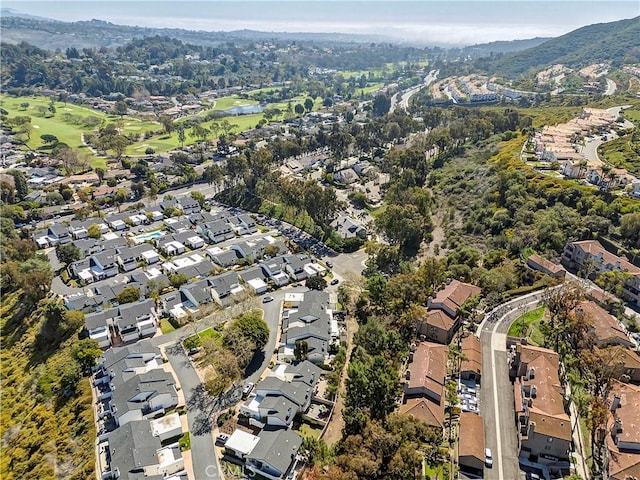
<point x="488" y="459"/>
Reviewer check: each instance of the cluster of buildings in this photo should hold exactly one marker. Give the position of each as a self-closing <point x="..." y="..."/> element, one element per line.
<point x="426" y="373"/>
<point x="137" y="431"/>
<point x="593" y="259"/>
<point x="544" y="427"/>
<point x="559" y="143"/>
<point x="474" y="89"/>
<point x="543" y="421"/>
<point x="268" y="446"/>
<point x="216" y="257"/>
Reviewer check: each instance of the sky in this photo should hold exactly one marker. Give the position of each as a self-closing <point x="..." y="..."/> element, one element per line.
<point x="455" y="22"/>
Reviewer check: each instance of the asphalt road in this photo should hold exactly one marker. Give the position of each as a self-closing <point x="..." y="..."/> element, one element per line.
<point x="496" y="394"/>
<point x="403" y="103"/>
<point x="611" y="87"/>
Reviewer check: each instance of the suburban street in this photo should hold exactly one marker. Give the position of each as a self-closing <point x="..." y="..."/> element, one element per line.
<point x="496" y="394"/>
<point x="611" y="87"/>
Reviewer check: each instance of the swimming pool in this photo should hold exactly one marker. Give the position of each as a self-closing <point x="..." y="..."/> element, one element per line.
<point x="148" y="236"/>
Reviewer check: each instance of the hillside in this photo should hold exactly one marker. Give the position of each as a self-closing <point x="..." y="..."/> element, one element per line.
<point x="53" y="34"/>
<point x="484" y="49"/>
<point x="614" y="43"/>
<point x="46" y="425"/>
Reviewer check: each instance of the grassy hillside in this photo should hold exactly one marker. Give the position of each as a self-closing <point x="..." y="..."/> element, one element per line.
<point x="47" y="433"/>
<point x="614" y="43"/>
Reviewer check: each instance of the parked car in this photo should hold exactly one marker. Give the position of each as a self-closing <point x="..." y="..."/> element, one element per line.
<point x="194" y="350"/>
<point x="267" y="299"/>
<point x="335" y="281"/>
<point x="488" y="459"/>
<point x="329" y="264"/>
<point x="222" y="439"/>
<point x="247" y="389"/>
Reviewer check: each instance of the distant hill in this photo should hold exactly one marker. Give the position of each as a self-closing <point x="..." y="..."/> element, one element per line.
<point x="614" y="43"/>
<point x="484" y="49"/>
<point x="52" y="34"/>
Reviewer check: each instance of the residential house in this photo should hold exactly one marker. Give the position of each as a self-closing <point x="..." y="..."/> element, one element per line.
<point x="629" y="362"/>
<point x="134" y="452"/>
<point x="98" y="325"/>
<point x="605" y="327"/>
<point x="544" y="427"/>
<point x="240" y="444"/>
<point x="222" y="286"/>
<point x="310" y="321"/>
<point x="153" y="392"/>
<point x="58" y="234"/>
<point x="273" y="270"/>
<point x="346" y="176"/>
<point x="592" y="258"/>
<point x="224" y="258"/>
<point x="128" y="257"/>
<point x="103" y="265"/>
<point x="423" y="388"/>
<point x="294" y="266"/>
<point x="348" y="227"/>
<point x="623" y="434"/>
<point x="471" y="455"/>
<point x="275" y="454"/>
<point x="471" y="363"/>
<point x="442" y="320"/>
<point x="254" y="278"/>
<point x="136" y="320"/>
<point x="167" y="427"/>
<point x="216" y="231"/>
<point x="538" y="262"/>
<point x="189" y="205"/>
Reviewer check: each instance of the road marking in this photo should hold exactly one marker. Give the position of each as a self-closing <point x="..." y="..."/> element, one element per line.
<point x="495" y="401"/>
<point x="494" y="349"/>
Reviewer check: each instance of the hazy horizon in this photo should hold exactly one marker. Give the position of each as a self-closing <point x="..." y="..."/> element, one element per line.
<point x="424" y="22"/>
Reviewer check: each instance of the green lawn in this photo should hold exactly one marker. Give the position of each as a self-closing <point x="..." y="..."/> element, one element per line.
<point x="196" y="341"/>
<point x="440" y="472"/>
<point x="225" y="103"/>
<point x="166" y="326"/>
<point x="67" y="133"/>
<point x="374" y="87"/>
<point x="633" y="115"/>
<point x="307" y="431"/>
<point x="531" y="321"/>
<point x="185" y="442"/>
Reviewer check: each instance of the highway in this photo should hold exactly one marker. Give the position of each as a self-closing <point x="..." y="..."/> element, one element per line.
<point x="403" y="103"/>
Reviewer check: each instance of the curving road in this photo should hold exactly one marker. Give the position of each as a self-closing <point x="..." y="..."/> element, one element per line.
<point x="611" y="87"/>
<point x="403" y="103"/>
<point x="496" y="394"/>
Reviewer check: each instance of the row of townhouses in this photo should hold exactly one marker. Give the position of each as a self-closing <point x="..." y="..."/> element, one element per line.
<point x="137" y="438"/>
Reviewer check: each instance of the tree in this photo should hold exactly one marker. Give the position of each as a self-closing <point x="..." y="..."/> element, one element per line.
<point x="301" y="350"/>
<point x="299" y="109"/>
<point x="94" y="231"/>
<point x="120" y="108"/>
<point x="86" y="352"/>
<point x="308" y="104"/>
<point x="49" y="139"/>
<point x="128" y="295"/>
<point x="167" y="123"/>
<point x="20" y="183"/>
<point x="177" y="279"/>
<point x="34" y="277"/>
<point x="100" y="173"/>
<point x="138" y="190"/>
<point x="68" y="253"/>
<point x="252" y="326"/>
<point x="316" y="282"/>
<point x="198" y="197"/>
<point x="181" y="134"/>
<point x="630" y="229"/>
<point x="381" y="105"/>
